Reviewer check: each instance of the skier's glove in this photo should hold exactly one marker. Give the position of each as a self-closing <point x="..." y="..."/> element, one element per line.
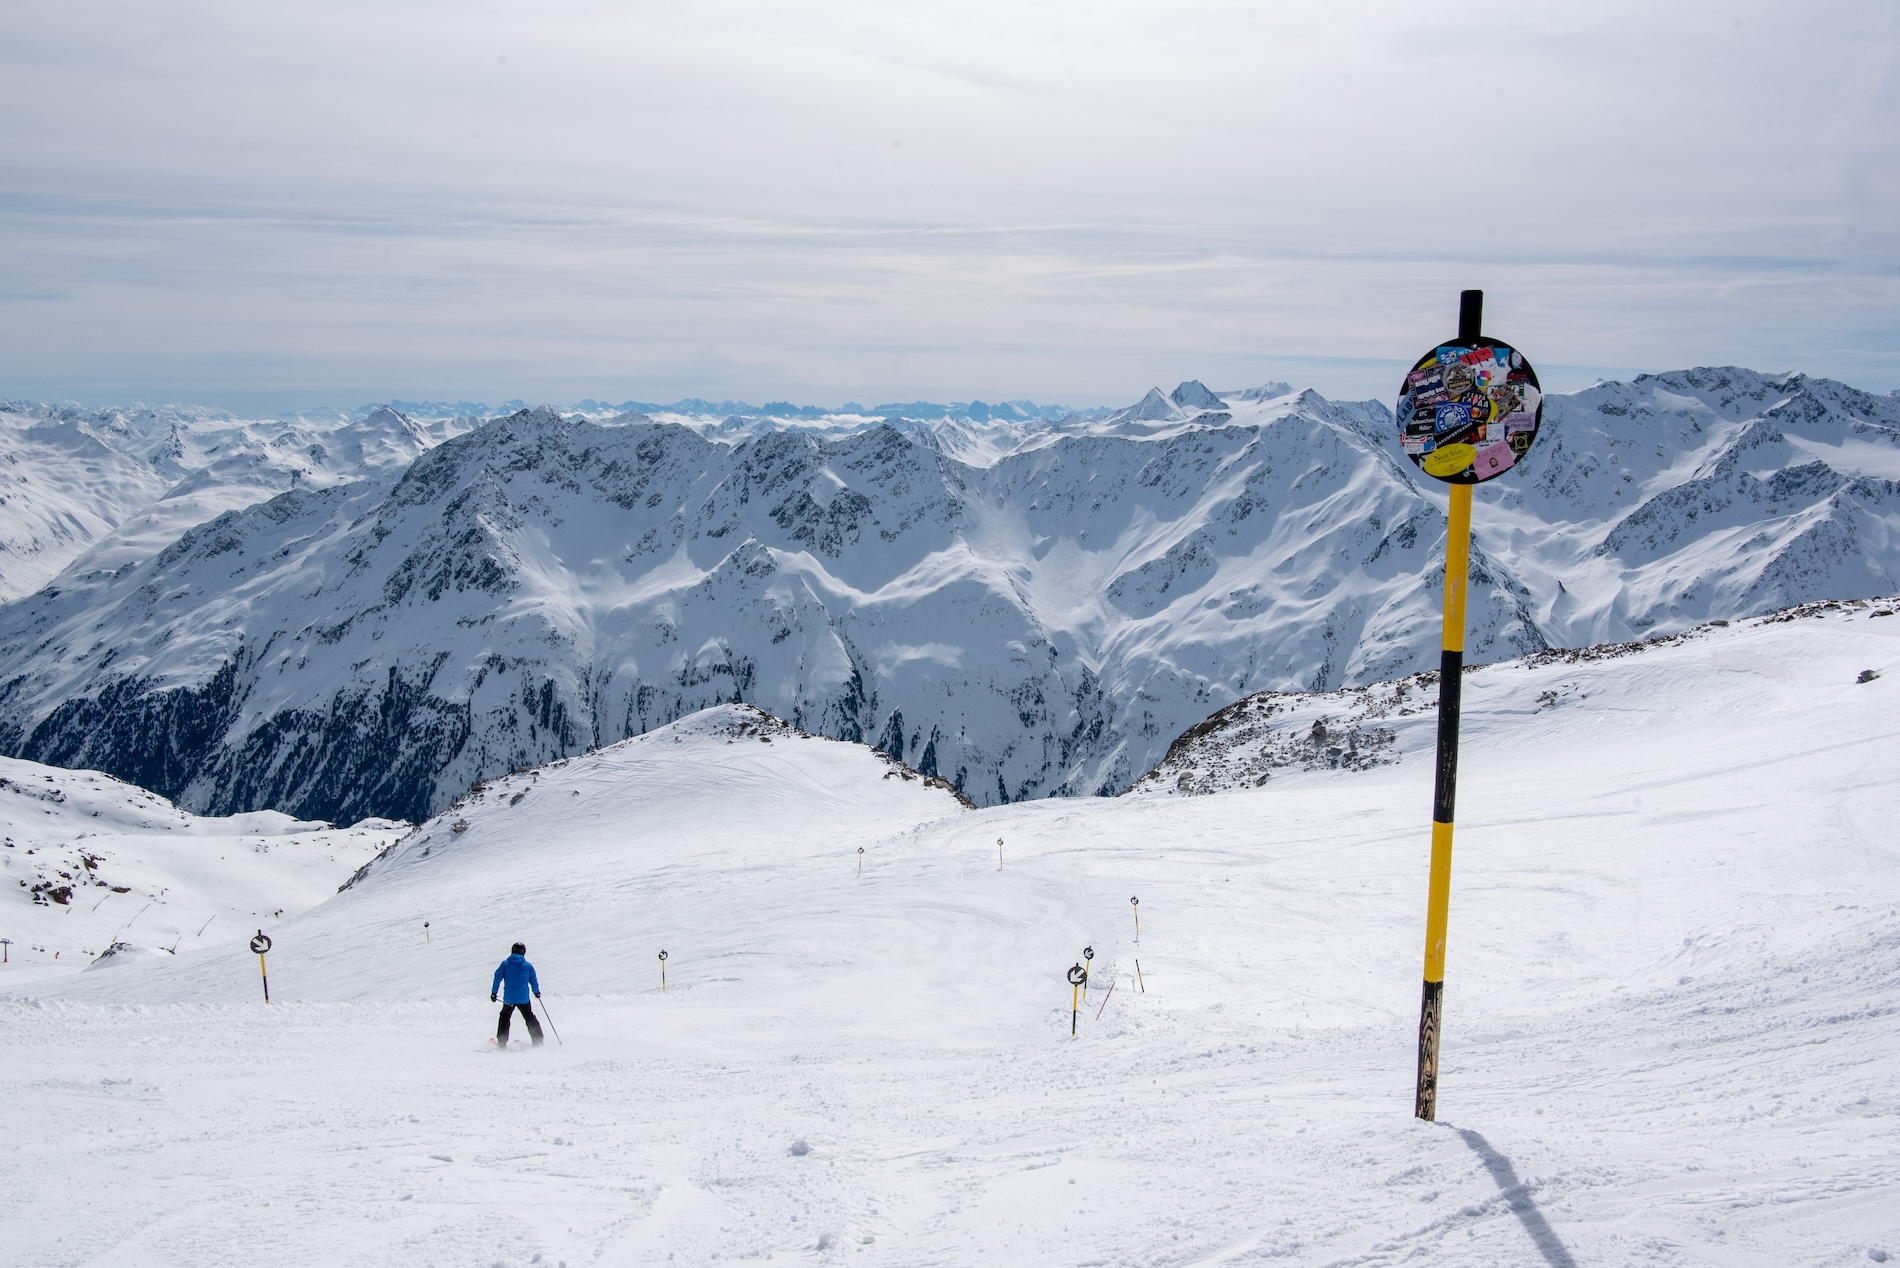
<point x="537" y="994"/>
<point x="493" y="998"/>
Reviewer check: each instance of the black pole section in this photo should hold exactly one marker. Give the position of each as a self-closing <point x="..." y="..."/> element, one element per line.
<point x="1470" y="315"/>
<point x="1451" y="690"/>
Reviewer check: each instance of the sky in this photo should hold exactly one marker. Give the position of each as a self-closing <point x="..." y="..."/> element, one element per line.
<point x="267" y="206"/>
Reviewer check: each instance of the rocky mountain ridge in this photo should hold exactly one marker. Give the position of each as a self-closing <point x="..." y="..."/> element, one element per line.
<point x="1025" y="608"/>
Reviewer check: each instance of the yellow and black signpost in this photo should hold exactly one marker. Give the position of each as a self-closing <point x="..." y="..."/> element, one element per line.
<point x="261" y="944"/>
<point x="1470" y="408"/>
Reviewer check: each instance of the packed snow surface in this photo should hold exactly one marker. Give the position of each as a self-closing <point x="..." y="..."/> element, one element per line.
<point x="1670" y="1026"/>
<point x="92" y="869"/>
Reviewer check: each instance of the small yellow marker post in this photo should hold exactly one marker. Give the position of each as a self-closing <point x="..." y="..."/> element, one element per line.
<point x="662" y="972"/>
<point x="1138" y="982"/>
<point x="261" y="944"/>
<point x="1088" y="956"/>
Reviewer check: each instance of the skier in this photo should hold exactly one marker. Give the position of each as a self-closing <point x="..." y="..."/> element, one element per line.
<point x="519" y="976"/>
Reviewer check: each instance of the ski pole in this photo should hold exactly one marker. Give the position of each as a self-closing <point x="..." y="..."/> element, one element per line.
<point x="1077" y="976"/>
<point x="261" y="944"/>
<point x="662" y="972"/>
<point x="550" y="1016"/>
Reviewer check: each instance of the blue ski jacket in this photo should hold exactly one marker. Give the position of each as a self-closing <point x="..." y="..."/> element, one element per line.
<point x="519" y="975"/>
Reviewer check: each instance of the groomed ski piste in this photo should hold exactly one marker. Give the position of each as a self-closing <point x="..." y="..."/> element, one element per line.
<point x="1671" y="1027"/>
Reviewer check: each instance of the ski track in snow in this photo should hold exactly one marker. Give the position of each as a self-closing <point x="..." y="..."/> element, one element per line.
<point x="1671" y="1031"/>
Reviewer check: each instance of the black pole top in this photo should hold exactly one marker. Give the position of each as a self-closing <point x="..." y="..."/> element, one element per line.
<point x="1470" y="315"/>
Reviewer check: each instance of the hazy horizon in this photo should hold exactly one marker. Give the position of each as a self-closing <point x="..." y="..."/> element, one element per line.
<point x="271" y="208"/>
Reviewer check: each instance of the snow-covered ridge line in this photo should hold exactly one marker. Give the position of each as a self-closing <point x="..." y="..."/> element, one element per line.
<point x="1358" y="728"/>
<point x="119" y="484"/>
<point x="91" y="866"/>
<point x="1022" y="611"/>
<point x="733" y="723"/>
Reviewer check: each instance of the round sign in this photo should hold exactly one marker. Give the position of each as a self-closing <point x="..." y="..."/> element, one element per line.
<point x="1470" y="408"/>
<point x="261" y="943"/>
<point x="662" y="955"/>
<point x="1078" y="975"/>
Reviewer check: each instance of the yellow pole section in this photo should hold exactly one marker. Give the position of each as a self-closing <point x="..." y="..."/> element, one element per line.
<point x="1457" y="568"/>
<point x="1438" y="903"/>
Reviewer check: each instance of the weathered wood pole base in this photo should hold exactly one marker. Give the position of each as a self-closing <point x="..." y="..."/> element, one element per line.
<point x="1428" y="1021"/>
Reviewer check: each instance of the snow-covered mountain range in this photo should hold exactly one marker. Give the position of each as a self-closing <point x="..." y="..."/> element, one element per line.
<point x="124" y="484"/>
<point x="1025" y="607"/>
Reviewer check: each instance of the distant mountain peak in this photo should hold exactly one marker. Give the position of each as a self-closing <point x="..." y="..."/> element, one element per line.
<point x="1193" y="395"/>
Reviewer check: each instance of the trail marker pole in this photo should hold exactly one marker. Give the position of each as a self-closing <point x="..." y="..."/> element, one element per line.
<point x="426" y="939"/>
<point x="1136" y="904"/>
<point x="1106" y="998"/>
<point x="1469" y="409"/>
<point x="999" y="854"/>
<point x="1143" y="985"/>
<point x="4" y="944"/>
<point x="1078" y="977"/>
<point x="1088" y="955"/>
<point x="662" y="972"/>
<point x="261" y="944"/>
<point x="206" y="925"/>
<point x="860" y="860"/>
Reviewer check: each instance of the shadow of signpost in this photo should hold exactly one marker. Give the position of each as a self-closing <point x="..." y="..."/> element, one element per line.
<point x="1515" y="1192"/>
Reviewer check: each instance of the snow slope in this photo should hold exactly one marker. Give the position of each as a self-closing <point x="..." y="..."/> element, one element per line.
<point x="90" y="863"/>
<point x="1671" y="1037"/>
<point x="117" y="486"/>
<point x="1024" y="607"/>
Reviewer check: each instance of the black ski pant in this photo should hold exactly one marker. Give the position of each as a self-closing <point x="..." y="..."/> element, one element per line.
<point x="527" y="1015"/>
